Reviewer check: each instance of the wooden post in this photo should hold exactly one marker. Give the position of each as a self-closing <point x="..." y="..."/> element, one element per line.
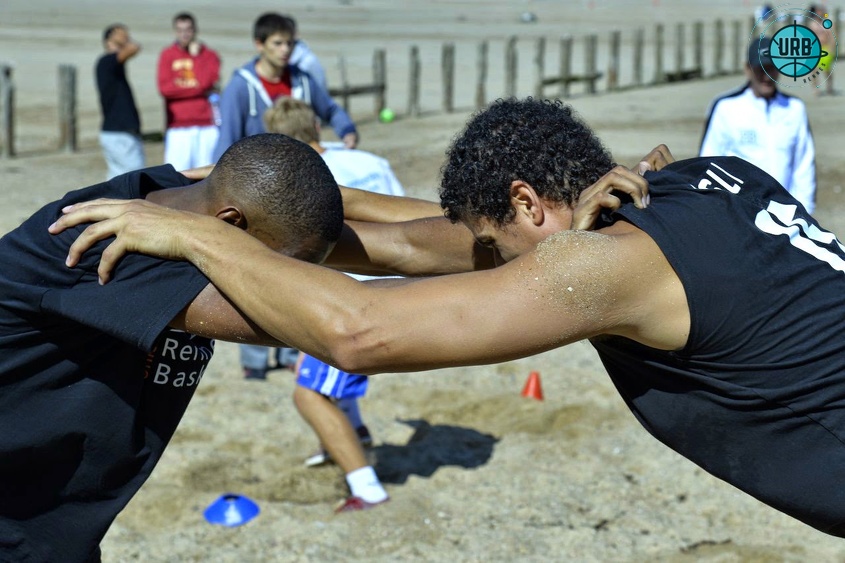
<point x="698" y="45"/>
<point x="680" y="45"/>
<point x="738" y="46"/>
<point x="414" y="88"/>
<point x="510" y="67"/>
<point x="7" y="118"/>
<point x="590" y="48"/>
<point x="719" y="52"/>
<point x="539" y="67"/>
<point x="344" y="84"/>
<point x="448" y="71"/>
<point x="480" y="86"/>
<point x="658" y="54"/>
<point x="639" y="41"/>
<point x="67" y="108"/>
<point x="565" y="64"/>
<point x="380" y="79"/>
<point x="613" y="64"/>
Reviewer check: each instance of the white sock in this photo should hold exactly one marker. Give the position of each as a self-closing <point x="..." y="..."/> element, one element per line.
<point x="350" y="409"/>
<point x="364" y="484"/>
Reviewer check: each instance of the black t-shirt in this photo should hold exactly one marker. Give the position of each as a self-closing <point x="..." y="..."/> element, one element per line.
<point x="116" y="100"/>
<point x="92" y="381"/>
<point x="757" y="396"/>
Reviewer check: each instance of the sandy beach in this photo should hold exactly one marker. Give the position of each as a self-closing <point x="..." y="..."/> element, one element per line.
<point x="476" y="472"/>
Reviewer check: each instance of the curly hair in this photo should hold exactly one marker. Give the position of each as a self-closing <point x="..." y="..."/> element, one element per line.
<point x="540" y="142"/>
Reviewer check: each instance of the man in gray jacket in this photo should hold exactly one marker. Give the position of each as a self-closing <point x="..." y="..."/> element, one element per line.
<point x="254" y="86"/>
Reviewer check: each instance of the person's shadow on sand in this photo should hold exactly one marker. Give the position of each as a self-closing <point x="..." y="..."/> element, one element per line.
<point x="430" y="448"/>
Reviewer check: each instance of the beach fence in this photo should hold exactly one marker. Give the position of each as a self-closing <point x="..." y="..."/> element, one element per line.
<point x="585" y="65"/>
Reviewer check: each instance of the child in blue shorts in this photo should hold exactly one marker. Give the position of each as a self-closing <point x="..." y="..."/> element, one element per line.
<point x="327" y="398"/>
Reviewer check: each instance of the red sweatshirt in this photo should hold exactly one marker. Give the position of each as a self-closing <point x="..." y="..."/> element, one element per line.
<point x="185" y="83"/>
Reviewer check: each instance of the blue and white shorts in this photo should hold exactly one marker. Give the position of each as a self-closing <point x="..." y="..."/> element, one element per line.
<point x="329" y="381"/>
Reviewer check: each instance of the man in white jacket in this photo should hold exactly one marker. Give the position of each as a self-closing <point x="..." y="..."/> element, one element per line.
<point x="766" y="127"/>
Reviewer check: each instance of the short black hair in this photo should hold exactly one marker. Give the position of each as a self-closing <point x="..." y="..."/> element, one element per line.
<point x="271" y="22"/>
<point x="111" y="29"/>
<point x="185" y="16"/>
<point x="287" y="182"/>
<point x="540" y="142"/>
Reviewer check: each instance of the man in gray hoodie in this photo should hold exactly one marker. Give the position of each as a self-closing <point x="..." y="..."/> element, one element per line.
<point x="254" y="86"/>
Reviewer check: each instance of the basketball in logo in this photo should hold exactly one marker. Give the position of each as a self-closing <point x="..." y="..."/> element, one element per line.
<point x="796" y="51"/>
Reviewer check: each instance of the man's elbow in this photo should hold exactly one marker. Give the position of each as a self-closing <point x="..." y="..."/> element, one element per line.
<point x="355" y="347"/>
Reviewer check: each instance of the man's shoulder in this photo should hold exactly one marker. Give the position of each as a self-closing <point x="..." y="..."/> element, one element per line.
<point x="682" y="172"/>
<point x="169" y="50"/>
<point x="208" y="51"/>
<point x="107" y="60"/>
<point x="726" y="99"/>
<point x="243" y="75"/>
<point x="160" y="177"/>
<point x="790" y="101"/>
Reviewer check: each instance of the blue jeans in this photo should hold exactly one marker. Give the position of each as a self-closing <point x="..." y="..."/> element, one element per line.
<point x="255" y="357"/>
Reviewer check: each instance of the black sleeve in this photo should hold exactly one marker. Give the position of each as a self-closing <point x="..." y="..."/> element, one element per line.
<point x="144" y="296"/>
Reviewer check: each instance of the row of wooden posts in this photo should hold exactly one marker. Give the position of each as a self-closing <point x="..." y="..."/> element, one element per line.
<point x="566" y="76"/>
<point x="589" y="74"/>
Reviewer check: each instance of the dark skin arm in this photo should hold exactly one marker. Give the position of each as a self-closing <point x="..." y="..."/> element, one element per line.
<point x="212" y="315"/>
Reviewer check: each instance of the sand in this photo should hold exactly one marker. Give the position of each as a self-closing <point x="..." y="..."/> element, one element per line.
<point x="475" y="471"/>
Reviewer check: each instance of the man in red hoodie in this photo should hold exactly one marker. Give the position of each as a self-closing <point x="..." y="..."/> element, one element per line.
<point x="188" y="72"/>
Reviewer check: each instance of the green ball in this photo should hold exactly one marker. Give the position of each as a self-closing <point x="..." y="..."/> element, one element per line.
<point x="386" y="115"/>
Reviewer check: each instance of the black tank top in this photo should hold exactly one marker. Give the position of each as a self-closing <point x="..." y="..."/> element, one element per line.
<point x="757" y="396"/>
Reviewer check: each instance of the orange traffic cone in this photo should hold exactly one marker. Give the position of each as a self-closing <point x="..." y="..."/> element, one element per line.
<point x="532" y="388"/>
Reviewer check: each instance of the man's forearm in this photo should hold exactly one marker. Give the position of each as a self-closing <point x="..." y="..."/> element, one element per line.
<point x="246" y="271"/>
<point x="361" y="205"/>
<point x="424" y="247"/>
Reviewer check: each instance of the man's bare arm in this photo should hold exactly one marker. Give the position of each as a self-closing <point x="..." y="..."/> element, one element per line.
<point x="573" y="286"/>
<point x="434" y="245"/>
<point x="361" y="205"/>
<point x="127" y="51"/>
<point x="212" y="315"/>
<point x="424" y="247"/>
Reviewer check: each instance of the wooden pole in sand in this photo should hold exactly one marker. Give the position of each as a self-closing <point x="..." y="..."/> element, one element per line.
<point x="680" y="44"/>
<point x="510" y="67"/>
<point x="480" y="85"/>
<point x="67" y="108"/>
<point x="380" y="79"/>
<point x="448" y="70"/>
<point x="738" y="49"/>
<point x="539" y="64"/>
<point x="719" y="51"/>
<point x="7" y="118"/>
<point x="565" y="64"/>
<point x="414" y="88"/>
<point x="698" y="48"/>
<point x="613" y="62"/>
<point x="590" y="48"/>
<point x="658" y="54"/>
<point x="639" y="41"/>
<point x="344" y="83"/>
